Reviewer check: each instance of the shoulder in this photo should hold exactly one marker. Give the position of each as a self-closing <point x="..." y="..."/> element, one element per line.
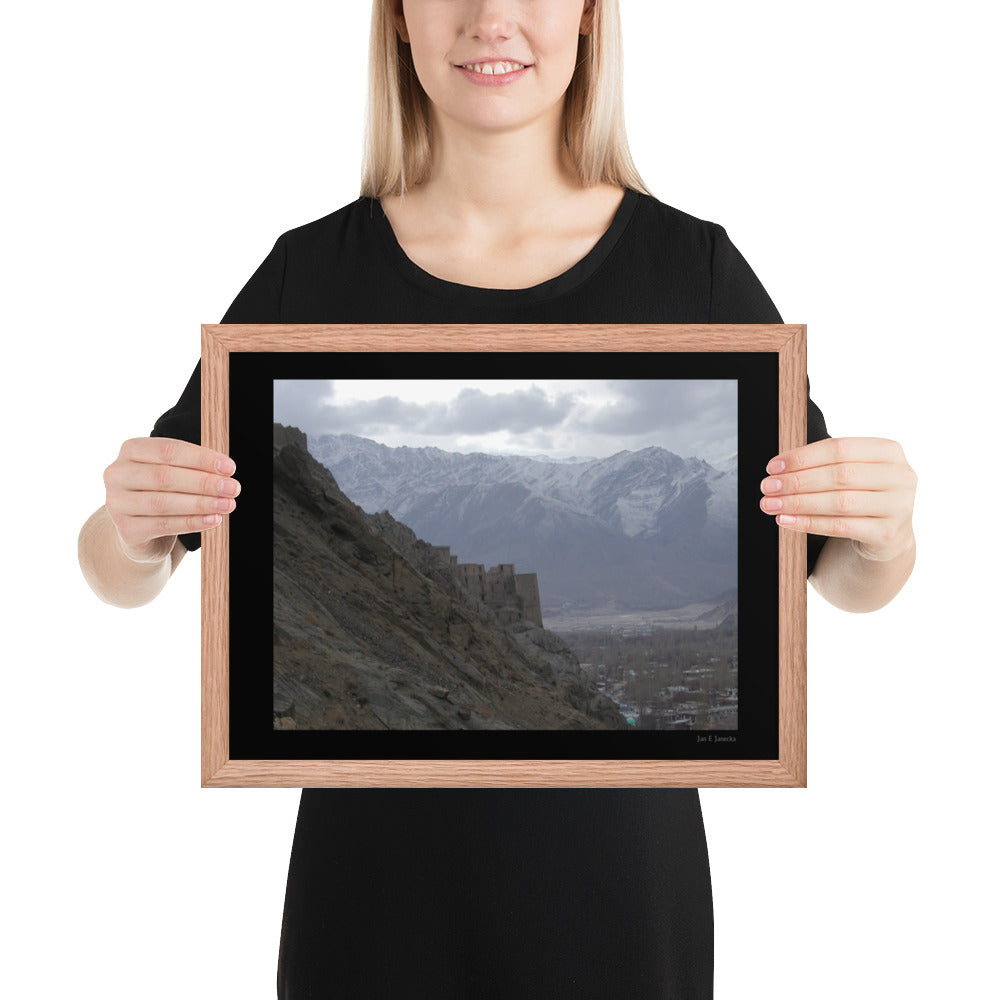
<point x="314" y="271"/>
<point x="705" y="241"/>
<point x="700" y="253"/>
<point x="675" y="241"/>
<point x="330" y="227"/>
<point x="672" y="223"/>
<point x="297" y="268"/>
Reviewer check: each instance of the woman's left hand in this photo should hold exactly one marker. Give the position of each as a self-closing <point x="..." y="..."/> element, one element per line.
<point x="856" y="488"/>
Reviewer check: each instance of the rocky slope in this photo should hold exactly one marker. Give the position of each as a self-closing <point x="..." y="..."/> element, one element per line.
<point x="372" y="632"/>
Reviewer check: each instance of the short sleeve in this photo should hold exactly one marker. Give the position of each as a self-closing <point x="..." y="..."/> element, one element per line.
<point x="258" y="302"/>
<point x="739" y="297"/>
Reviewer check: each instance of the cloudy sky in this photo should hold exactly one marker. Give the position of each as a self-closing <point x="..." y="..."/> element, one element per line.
<point x="588" y="418"/>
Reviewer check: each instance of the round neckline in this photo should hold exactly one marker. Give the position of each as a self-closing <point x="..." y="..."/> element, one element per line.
<point x="552" y="287"/>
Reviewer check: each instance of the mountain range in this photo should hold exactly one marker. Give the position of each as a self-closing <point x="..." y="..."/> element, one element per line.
<point x="633" y="531"/>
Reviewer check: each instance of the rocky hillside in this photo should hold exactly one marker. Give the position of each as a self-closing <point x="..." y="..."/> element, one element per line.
<point x="372" y="632"/>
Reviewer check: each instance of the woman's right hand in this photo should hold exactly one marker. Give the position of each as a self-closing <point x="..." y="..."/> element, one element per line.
<point x="158" y="488"/>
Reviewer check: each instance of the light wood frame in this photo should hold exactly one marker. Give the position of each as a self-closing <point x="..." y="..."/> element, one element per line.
<point x="788" y="342"/>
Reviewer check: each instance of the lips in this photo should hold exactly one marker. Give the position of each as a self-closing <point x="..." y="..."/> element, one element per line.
<point x="493" y="67"/>
<point x="493" y="73"/>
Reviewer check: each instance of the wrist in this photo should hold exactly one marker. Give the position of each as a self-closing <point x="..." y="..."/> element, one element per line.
<point x="152" y="554"/>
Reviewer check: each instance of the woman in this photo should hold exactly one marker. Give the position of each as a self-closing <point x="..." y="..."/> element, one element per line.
<point x="498" y="188"/>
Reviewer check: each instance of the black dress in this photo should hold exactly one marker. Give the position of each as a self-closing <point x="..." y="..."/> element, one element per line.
<point x="582" y="894"/>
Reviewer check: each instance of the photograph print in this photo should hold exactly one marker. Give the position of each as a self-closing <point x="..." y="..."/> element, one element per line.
<point x="505" y="554"/>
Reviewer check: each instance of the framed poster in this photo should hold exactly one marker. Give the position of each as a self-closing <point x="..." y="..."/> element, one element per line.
<point x="503" y="555"/>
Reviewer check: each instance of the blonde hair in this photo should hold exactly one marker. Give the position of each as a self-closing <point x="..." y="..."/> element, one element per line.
<point x="397" y="141"/>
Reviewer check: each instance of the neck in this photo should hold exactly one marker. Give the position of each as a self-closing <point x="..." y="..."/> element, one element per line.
<point x="499" y="180"/>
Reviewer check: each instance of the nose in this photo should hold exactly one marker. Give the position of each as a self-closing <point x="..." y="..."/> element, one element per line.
<point x="490" y="19"/>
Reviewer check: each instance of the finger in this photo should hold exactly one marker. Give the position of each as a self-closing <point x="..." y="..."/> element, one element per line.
<point x="833" y="451"/>
<point x="142" y="477"/>
<point x="874" y="538"/>
<point x="173" y="451"/>
<point x="874" y="476"/>
<point x="160" y="504"/>
<point x="866" y="530"/>
<point x="842" y="503"/>
<point x="136" y="531"/>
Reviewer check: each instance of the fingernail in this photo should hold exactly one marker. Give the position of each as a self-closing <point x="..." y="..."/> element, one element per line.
<point x="210" y="520"/>
<point x="225" y="466"/>
<point x="775" y="466"/>
<point x="771" y="485"/>
<point x="227" y="486"/>
<point x="786" y="519"/>
<point x="772" y="503"/>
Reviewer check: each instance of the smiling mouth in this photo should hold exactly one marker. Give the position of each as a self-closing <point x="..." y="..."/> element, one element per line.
<point x="494" y="68"/>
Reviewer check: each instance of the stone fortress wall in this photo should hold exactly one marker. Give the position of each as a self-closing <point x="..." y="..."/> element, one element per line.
<point x="511" y="595"/>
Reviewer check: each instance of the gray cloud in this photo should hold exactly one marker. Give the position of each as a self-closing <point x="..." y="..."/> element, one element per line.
<point x="384" y="412"/>
<point x="475" y="412"/>
<point x="689" y="417"/>
<point x="299" y="402"/>
<point x="649" y="405"/>
<point x="472" y="411"/>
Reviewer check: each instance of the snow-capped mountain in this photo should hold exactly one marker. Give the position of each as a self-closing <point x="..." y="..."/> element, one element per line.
<point x="635" y="529"/>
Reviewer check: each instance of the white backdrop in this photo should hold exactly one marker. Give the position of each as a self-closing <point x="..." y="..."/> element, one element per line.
<point x="155" y="153"/>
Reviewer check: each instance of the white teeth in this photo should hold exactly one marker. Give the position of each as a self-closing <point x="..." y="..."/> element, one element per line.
<point x="495" y="69"/>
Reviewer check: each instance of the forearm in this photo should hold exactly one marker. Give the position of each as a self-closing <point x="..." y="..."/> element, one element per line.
<point x="112" y="575"/>
<point x="853" y="583"/>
